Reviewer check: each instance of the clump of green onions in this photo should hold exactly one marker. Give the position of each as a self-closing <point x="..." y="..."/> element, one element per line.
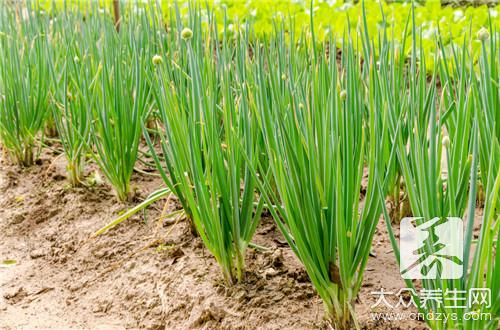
<point x="73" y="76"/>
<point x="120" y="106"/>
<point x="203" y="105"/>
<point x="245" y="124"/>
<point x="318" y="122"/>
<point x="24" y="83"/>
<point x="439" y="159"/>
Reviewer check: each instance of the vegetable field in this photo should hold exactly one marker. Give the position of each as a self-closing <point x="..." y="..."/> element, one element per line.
<point x="249" y="165"/>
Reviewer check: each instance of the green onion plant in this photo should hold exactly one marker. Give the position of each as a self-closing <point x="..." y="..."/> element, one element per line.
<point x="120" y="105"/>
<point x="317" y="120"/>
<point x="204" y="108"/>
<point x="73" y="73"/>
<point x="24" y="83"/>
<point x="439" y="161"/>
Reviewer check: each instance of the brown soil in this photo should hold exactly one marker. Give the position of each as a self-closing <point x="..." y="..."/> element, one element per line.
<point x="146" y="273"/>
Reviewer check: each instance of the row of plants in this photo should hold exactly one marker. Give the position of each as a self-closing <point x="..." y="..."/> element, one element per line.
<point x="334" y="16"/>
<point x="288" y="122"/>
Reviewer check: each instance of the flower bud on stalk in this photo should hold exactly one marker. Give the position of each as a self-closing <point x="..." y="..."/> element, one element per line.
<point x="186" y="34"/>
<point x="446" y="142"/>
<point x="343" y="95"/>
<point x="157" y="59"/>
<point x="483" y="34"/>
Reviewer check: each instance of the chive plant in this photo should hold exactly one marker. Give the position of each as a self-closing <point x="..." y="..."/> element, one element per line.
<point x="205" y="114"/>
<point x="24" y="85"/>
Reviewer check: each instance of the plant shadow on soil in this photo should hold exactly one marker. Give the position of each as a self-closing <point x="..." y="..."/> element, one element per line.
<point x="147" y="273"/>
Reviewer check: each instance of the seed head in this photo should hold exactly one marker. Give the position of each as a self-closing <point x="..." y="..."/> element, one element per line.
<point x="76" y="59"/>
<point x="483" y="34"/>
<point x="157" y="59"/>
<point x="186" y="33"/>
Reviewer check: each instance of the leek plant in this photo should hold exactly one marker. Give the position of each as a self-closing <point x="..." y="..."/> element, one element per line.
<point x="316" y="120"/>
<point x="24" y="83"/>
<point x="204" y="110"/>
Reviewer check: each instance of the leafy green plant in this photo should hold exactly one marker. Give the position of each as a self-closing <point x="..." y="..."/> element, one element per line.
<point x="487" y="97"/>
<point x="74" y="94"/>
<point x="24" y="85"/>
<point x="204" y="112"/>
<point x="485" y="267"/>
<point x="120" y="107"/>
<point x="317" y="120"/>
<point x="439" y="160"/>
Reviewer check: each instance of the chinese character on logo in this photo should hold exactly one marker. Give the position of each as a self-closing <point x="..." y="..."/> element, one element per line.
<point x="428" y="295"/>
<point x="406" y="294"/>
<point x="479" y="297"/>
<point x="431" y="249"/>
<point x="458" y="298"/>
<point x="382" y="298"/>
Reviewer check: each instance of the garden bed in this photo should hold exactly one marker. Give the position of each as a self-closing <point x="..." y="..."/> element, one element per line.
<point x="148" y="274"/>
<point x="167" y="167"/>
